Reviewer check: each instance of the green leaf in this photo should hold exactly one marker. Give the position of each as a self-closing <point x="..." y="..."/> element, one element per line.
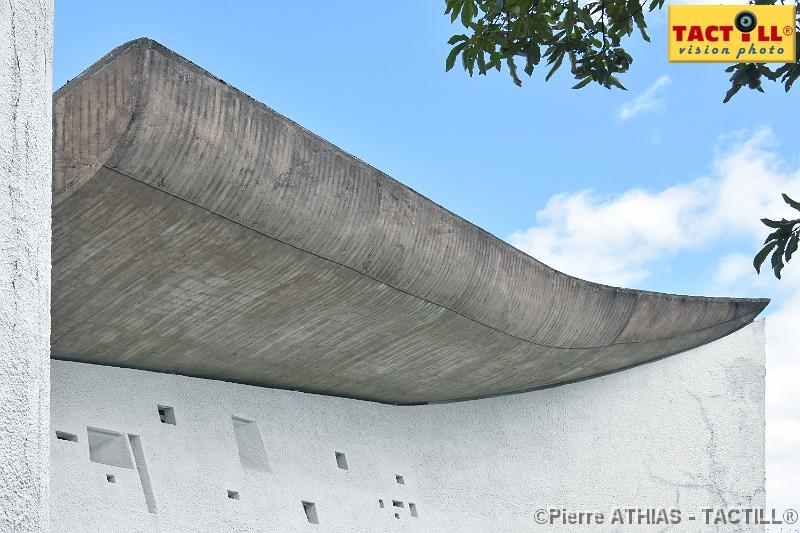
<point x="467" y="13"/>
<point x="758" y="260"/>
<point x="512" y="68"/>
<point x="468" y="60"/>
<point x="791" y="77"/>
<point x="536" y="54"/>
<point x="454" y="7"/>
<point x="791" y="248"/>
<point x="556" y="64"/>
<point x="777" y="261"/>
<point x="791" y="202"/>
<point x="583" y="83"/>
<point x="614" y="81"/>
<point x="451" y="57"/>
<point x="640" y="23"/>
<point x="728" y="95"/>
<point x="457" y="38"/>
<point x="532" y="58"/>
<point x="772" y="223"/>
<point x="780" y="234"/>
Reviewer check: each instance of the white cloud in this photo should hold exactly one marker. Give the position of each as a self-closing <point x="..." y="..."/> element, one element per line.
<point x="611" y="239"/>
<point x="651" y="99"/>
<point x="733" y="268"/>
<point x="618" y="239"/>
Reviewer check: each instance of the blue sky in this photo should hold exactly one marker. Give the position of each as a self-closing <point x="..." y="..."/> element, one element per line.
<point x="691" y="175"/>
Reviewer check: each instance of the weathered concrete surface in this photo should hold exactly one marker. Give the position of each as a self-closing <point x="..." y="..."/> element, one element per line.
<point x="26" y="29"/>
<point x="686" y="432"/>
<point x="196" y="231"/>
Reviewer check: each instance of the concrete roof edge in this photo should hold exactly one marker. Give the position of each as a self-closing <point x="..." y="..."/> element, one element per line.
<point x="379" y="228"/>
<point x="144" y="44"/>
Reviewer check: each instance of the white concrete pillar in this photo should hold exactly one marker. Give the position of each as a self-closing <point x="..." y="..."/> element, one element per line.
<point x="26" y="42"/>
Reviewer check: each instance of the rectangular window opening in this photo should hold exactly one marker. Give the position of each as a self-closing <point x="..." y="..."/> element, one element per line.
<point x="380" y="502"/>
<point x="399" y="479"/>
<point x="252" y="454"/>
<point x="111" y="478"/>
<point x="341" y="461"/>
<point x="166" y="414"/>
<point x="396" y="503"/>
<point x="233" y="495"/>
<point x="413" y="508"/>
<point x="63" y="435"/>
<point x="310" y="509"/>
<point x="108" y="448"/>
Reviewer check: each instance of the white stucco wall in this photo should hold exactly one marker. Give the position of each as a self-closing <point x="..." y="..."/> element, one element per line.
<point x="25" y="191"/>
<point x="685" y="432"/>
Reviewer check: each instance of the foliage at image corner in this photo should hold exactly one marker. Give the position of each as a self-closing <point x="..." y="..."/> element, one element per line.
<point x="782" y="242"/>
<point x="525" y="33"/>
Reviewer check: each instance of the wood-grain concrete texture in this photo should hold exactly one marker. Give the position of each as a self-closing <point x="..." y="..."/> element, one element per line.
<point x="198" y="232"/>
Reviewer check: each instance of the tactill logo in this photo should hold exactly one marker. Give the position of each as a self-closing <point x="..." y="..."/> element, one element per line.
<point x="758" y="34"/>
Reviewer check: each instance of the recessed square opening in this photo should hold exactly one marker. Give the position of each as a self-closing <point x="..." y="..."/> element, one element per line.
<point x="63" y="435"/>
<point x="341" y="461"/>
<point x="380" y="502"/>
<point x="233" y="495"/>
<point x="413" y="508"/>
<point x="397" y="515"/>
<point x="252" y="454"/>
<point x="166" y="414"/>
<point x="111" y="478"/>
<point x="399" y="479"/>
<point x="310" y="509"/>
<point x="396" y="503"/>
<point x="108" y="448"/>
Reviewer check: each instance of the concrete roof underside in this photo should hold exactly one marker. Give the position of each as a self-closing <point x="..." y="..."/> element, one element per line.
<point x="198" y="232"/>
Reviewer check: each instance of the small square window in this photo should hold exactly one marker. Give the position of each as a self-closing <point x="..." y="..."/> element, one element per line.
<point x="111" y="478"/>
<point x="399" y="479"/>
<point x="166" y="414"/>
<point x="397" y="515"/>
<point x="341" y="461"/>
<point x="233" y="495"/>
<point x="310" y="509"/>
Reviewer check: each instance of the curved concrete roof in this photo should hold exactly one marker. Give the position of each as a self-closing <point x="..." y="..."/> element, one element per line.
<point x="197" y="231"/>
